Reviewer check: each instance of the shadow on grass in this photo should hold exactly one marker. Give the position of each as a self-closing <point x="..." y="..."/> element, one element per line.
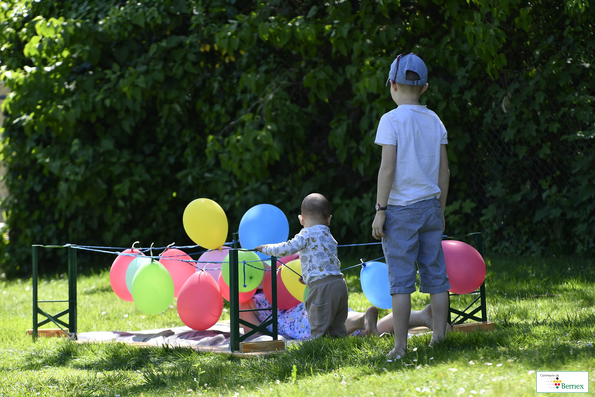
<point x="157" y="368"/>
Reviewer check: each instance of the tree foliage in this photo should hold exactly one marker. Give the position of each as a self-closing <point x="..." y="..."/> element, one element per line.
<point x="121" y="113"/>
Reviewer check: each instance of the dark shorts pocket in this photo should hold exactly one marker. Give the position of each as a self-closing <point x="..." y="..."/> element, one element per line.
<point x="318" y="314"/>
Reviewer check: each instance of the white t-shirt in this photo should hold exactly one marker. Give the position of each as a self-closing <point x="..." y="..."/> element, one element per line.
<point x="417" y="133"/>
<point x="318" y="252"/>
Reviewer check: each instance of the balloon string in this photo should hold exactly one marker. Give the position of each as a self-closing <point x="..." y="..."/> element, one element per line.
<point x="245" y="285"/>
<point x="362" y="264"/>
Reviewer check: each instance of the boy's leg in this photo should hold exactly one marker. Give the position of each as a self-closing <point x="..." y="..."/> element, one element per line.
<point x="401" y="246"/>
<point x="440" y="306"/>
<point x="432" y="269"/>
<point x="401" y="312"/>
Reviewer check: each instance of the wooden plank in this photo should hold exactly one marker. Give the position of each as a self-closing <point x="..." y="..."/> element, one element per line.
<point x="419" y="330"/>
<point x="470" y="327"/>
<point x="49" y="332"/>
<point x="263" y="346"/>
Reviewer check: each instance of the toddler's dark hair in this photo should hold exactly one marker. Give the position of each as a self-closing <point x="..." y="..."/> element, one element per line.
<point x="316" y="205"/>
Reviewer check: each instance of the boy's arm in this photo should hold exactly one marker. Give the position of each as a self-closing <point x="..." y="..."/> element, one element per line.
<point x="443" y="181"/>
<point x="386" y="175"/>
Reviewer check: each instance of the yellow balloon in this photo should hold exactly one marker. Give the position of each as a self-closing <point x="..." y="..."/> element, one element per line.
<point x="205" y="223"/>
<point x="292" y="280"/>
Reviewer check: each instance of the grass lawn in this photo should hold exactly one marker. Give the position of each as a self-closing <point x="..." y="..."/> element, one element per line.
<point x="543" y="309"/>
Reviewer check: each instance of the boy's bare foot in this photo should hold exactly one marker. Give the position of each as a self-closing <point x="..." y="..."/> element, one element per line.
<point x="370" y="322"/>
<point x="396" y="353"/>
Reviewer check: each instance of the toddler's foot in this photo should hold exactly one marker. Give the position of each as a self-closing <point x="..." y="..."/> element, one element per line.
<point x="426" y="315"/>
<point x="370" y="322"/>
<point x="434" y="342"/>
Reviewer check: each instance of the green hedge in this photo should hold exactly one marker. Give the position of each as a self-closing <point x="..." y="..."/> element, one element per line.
<point x="121" y="113"/>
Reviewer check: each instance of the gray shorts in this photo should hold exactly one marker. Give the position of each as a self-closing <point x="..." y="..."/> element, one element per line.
<point x="327" y="306"/>
<point x="414" y="233"/>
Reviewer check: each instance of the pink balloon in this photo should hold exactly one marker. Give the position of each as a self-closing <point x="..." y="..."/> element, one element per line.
<point x="286" y="259"/>
<point x="117" y="273"/>
<point x="179" y="266"/>
<point x="214" y="260"/>
<point x="200" y="303"/>
<point x="284" y="298"/>
<point x="465" y="267"/>
<point x="224" y="288"/>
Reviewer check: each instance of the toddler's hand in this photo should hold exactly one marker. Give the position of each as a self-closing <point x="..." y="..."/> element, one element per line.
<point x="301" y="279"/>
<point x="259" y="248"/>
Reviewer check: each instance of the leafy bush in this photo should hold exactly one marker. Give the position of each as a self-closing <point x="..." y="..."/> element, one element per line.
<point x="121" y="113"/>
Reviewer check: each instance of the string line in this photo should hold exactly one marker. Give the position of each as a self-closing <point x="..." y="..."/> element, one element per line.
<point x="195" y="263"/>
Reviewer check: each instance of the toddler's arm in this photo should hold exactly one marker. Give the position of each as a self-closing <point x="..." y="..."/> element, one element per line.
<point x="290" y="247"/>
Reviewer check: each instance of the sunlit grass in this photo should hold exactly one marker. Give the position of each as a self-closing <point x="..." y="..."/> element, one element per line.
<point x="542" y="308"/>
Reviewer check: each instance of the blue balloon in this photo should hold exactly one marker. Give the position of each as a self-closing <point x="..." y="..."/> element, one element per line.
<point x="375" y="285"/>
<point x="133" y="268"/>
<point x="263" y="224"/>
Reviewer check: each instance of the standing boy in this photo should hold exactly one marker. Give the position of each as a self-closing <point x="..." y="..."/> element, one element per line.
<point x="326" y="304"/>
<point x="412" y="188"/>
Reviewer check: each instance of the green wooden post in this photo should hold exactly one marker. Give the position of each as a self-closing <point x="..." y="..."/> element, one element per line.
<point x="34" y="251"/>
<point x="72" y="303"/>
<point x="274" y="294"/>
<point x="234" y="298"/>
<point x="482" y="289"/>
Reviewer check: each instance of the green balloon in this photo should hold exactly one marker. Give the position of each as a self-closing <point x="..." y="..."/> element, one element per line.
<point x="306" y="292"/>
<point x="133" y="267"/>
<point x="152" y="288"/>
<point x="250" y="275"/>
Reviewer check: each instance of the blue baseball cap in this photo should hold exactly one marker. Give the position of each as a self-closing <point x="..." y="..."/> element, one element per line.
<point x="408" y="62"/>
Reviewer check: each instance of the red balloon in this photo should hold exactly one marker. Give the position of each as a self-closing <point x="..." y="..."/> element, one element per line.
<point x="465" y="267"/>
<point x="224" y="288"/>
<point x="200" y="303"/>
<point x="117" y="273"/>
<point x="178" y="264"/>
<point x="284" y="298"/>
